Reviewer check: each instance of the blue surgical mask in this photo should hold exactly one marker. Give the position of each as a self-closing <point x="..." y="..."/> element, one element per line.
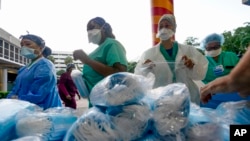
<point x="28" y="52"/>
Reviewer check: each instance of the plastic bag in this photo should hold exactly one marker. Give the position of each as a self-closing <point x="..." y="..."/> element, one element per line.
<point x="78" y="80"/>
<point x="134" y="117"/>
<point x="120" y="89"/>
<point x="171" y="109"/>
<point x="93" y="125"/>
<point x="9" y="109"/>
<point x="51" y="124"/>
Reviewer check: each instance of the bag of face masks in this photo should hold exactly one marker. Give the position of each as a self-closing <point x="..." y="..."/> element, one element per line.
<point x="77" y="78"/>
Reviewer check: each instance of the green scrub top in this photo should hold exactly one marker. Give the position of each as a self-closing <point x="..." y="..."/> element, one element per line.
<point x="227" y="60"/>
<point x="170" y="58"/>
<point x="109" y="52"/>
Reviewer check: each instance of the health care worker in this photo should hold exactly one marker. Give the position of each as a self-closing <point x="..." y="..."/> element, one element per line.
<point x="173" y="62"/>
<point x="220" y="62"/>
<point x="108" y="58"/>
<point x="36" y="82"/>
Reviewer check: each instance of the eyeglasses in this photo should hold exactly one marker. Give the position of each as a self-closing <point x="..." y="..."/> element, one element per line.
<point x="212" y="47"/>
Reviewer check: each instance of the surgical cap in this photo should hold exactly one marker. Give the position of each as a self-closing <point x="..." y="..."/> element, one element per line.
<point x="101" y="22"/>
<point x="214" y="37"/>
<point x="170" y="18"/>
<point x="69" y="66"/>
<point x="38" y="40"/>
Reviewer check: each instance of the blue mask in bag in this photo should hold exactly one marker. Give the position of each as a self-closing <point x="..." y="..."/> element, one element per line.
<point x="28" y="52"/>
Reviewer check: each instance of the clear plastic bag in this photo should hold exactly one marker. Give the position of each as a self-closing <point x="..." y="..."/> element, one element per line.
<point x="120" y="89"/>
<point x="171" y="110"/>
<point x="78" y="80"/>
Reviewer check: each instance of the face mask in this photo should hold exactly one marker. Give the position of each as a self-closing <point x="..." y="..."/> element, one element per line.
<point x="28" y="52"/>
<point x="165" y="34"/>
<point x="95" y="36"/>
<point x="213" y="53"/>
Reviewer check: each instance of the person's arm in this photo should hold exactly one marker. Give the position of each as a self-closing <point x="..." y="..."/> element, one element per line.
<point x="237" y="81"/>
<point x="104" y="69"/>
<point x="240" y="75"/>
<point x="101" y="68"/>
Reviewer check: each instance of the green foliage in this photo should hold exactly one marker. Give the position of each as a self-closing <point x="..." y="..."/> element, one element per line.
<point x="192" y="41"/>
<point x="131" y="66"/>
<point x="68" y="60"/>
<point x="60" y="72"/>
<point x="51" y="58"/>
<point x="3" y="94"/>
<point x="237" y="40"/>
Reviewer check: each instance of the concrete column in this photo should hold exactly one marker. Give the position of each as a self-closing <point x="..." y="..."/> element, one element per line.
<point x="5" y="79"/>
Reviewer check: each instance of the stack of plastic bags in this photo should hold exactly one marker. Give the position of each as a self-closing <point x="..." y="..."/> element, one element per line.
<point x="123" y="110"/>
<point x="213" y="124"/>
<point x="9" y="109"/>
<point x="119" y="113"/>
<point x="127" y="108"/>
<point x="201" y="125"/>
<point x="51" y="124"/>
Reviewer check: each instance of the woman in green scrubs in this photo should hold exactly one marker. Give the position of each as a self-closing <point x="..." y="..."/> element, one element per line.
<point x="108" y="58"/>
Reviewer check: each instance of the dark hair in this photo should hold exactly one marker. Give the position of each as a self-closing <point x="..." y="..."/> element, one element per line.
<point x="106" y="26"/>
<point x="47" y="52"/>
<point x="69" y="66"/>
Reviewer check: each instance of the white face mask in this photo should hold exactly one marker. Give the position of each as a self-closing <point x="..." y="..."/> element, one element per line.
<point x="165" y="34"/>
<point x="213" y="53"/>
<point x="94" y="36"/>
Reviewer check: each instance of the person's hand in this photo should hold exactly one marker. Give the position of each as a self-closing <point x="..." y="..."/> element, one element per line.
<point x="81" y="55"/>
<point x="149" y="64"/>
<point x="79" y="96"/>
<point x="68" y="97"/>
<point x="187" y="62"/>
<point x="220" y="84"/>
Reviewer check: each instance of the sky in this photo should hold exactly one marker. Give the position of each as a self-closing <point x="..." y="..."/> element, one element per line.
<point x="62" y="23"/>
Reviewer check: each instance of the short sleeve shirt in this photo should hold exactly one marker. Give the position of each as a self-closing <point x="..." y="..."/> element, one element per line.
<point x="109" y="52"/>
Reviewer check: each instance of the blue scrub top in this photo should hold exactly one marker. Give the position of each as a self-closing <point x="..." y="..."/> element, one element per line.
<point x="36" y="83"/>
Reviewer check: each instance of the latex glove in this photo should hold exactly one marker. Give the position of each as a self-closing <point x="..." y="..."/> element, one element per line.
<point x="187" y="62"/>
<point x="149" y="64"/>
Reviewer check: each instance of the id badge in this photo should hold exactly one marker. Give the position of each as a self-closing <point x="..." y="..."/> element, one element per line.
<point x="218" y="70"/>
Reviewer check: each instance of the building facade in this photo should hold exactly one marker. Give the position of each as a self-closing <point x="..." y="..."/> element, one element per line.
<point x="60" y="57"/>
<point x="10" y="59"/>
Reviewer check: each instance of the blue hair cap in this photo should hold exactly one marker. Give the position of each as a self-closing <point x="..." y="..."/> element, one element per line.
<point x="38" y="40"/>
<point x="214" y="37"/>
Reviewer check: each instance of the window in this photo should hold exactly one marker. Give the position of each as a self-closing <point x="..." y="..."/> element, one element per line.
<point x="6" y="50"/>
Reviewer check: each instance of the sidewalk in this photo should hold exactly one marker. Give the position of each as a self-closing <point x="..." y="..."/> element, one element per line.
<point x="82" y="105"/>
